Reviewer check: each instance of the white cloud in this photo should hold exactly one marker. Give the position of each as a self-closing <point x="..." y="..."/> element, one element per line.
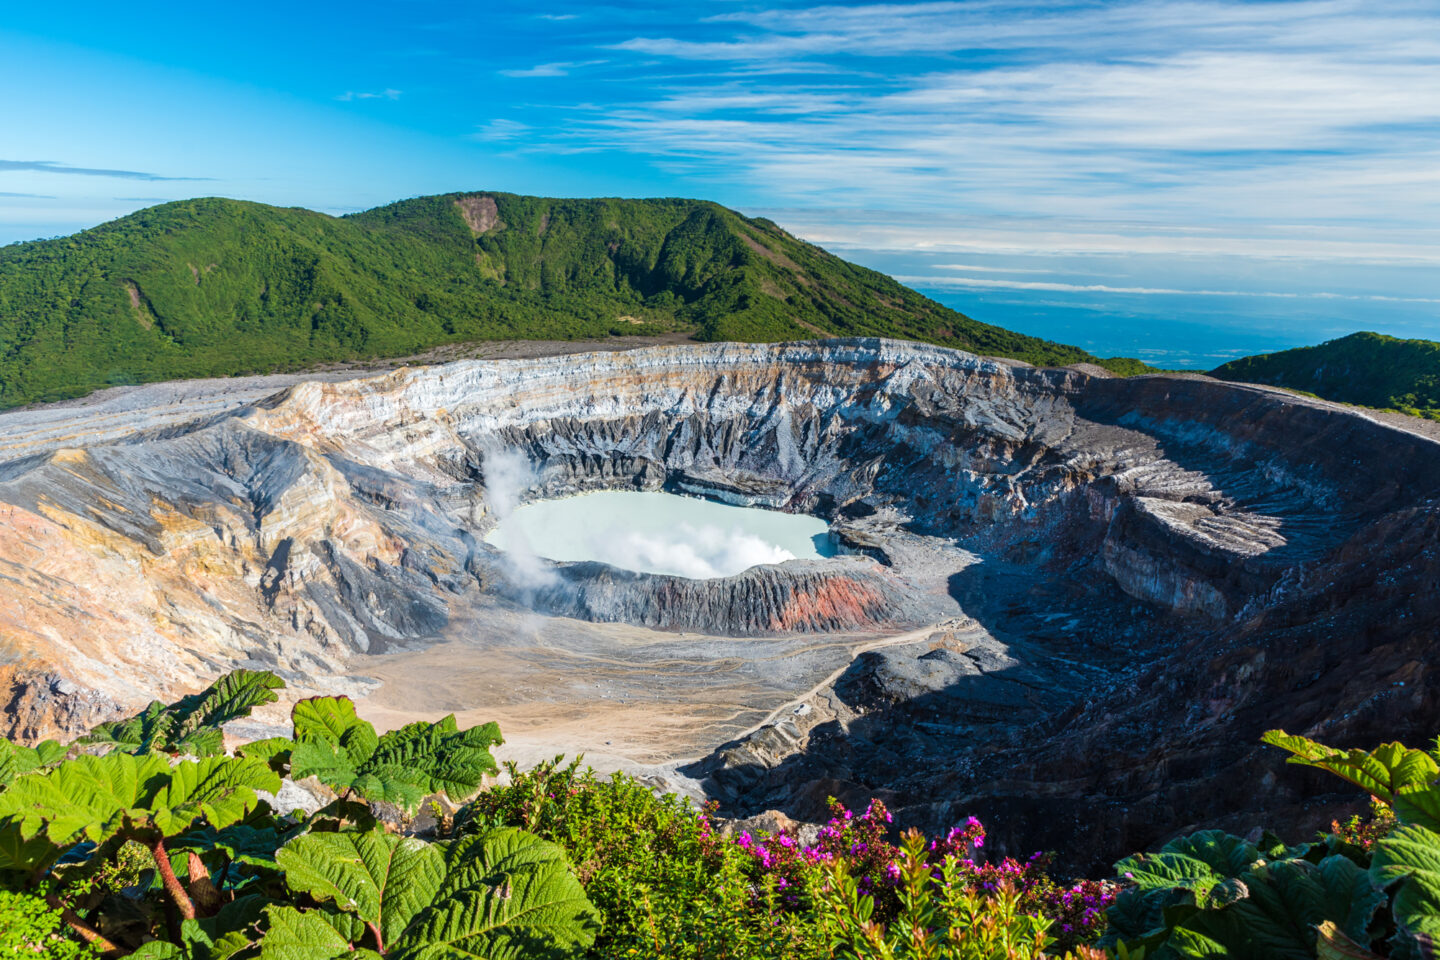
<point x="551" y="69"/>
<point x="981" y="283"/>
<point x="500" y="129"/>
<point x="386" y="94"/>
<point x="1150" y="117"/>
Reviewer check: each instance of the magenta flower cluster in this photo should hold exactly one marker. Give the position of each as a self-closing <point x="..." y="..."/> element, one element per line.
<point x="1077" y="911"/>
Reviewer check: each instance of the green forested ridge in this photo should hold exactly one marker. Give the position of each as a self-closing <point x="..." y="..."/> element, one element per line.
<point x="1365" y="368"/>
<point x="215" y="287"/>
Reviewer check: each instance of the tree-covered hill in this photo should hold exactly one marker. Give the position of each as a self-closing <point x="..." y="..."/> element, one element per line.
<point x="1364" y="368"/>
<point x="215" y="287"/>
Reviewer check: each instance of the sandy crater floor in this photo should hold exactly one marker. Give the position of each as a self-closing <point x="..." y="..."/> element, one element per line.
<point x="626" y="697"/>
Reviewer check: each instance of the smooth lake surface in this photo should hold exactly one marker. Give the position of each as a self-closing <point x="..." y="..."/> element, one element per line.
<point x="660" y="533"/>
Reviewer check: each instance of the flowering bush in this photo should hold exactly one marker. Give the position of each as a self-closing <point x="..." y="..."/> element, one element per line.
<point x="858" y="843"/>
<point x="858" y="847"/>
<point x="1365" y="832"/>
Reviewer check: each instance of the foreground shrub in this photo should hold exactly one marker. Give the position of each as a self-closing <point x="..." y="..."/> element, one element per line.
<point x="30" y="927"/>
<point x="1369" y="889"/>
<point x="664" y="884"/>
<point x="939" y="915"/>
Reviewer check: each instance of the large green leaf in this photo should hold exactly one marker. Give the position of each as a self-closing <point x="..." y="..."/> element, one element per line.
<point x="1381" y="772"/>
<point x="83" y="799"/>
<point x="1331" y="944"/>
<point x="196" y="943"/>
<point x="333" y="720"/>
<point x="1212" y="894"/>
<point x="1410" y="856"/>
<point x="338" y="748"/>
<point x="450" y="760"/>
<point x="308" y="935"/>
<point x="16" y="760"/>
<point x="1227" y="855"/>
<point x="507" y="895"/>
<point x="96" y="798"/>
<point x="1286" y="901"/>
<point x="192" y="724"/>
<point x="1418" y="805"/>
<point x="383" y="879"/>
<point x="275" y="751"/>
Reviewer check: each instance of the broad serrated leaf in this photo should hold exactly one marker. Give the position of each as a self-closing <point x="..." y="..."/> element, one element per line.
<point x="16" y="760"/>
<point x="1288" y="900"/>
<point x="325" y="761"/>
<point x="86" y="798"/>
<point x="95" y="798"/>
<point x="27" y="856"/>
<point x="333" y="720"/>
<point x="475" y="861"/>
<point x="381" y="878"/>
<point x="1150" y="871"/>
<point x="295" y="935"/>
<point x="191" y="724"/>
<point x="1410" y="857"/>
<point x="535" y="913"/>
<point x="402" y="767"/>
<point x="272" y="751"/>
<point x="1419" y="805"/>
<point x="221" y="790"/>
<point x="1380" y="772"/>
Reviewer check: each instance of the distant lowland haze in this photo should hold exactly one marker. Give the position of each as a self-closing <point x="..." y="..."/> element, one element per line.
<point x="1184" y="182"/>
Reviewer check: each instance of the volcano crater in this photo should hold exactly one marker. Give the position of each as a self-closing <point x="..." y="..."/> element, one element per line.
<point x="1065" y="602"/>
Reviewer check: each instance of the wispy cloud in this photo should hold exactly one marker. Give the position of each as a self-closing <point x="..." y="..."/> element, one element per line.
<point x="500" y="129"/>
<point x="551" y="69"/>
<point x="977" y="268"/>
<point x="50" y="166"/>
<point x="1169" y="113"/>
<point x="988" y="284"/>
<point x="386" y="94"/>
<point x="27" y="196"/>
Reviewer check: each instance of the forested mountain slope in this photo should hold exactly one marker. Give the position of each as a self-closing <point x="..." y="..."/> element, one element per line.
<point x="215" y="287"/>
<point x="1365" y="368"/>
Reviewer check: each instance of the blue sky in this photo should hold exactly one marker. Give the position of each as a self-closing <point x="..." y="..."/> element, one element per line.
<point x="1179" y="179"/>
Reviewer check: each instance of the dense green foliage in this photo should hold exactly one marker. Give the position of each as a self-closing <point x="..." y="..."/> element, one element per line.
<point x="137" y="852"/>
<point x="218" y="287"/>
<point x="1365" y="368"/>
<point x="30" y="927"/>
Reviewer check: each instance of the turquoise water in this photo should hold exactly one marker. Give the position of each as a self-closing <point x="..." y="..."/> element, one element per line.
<point x="660" y="533"/>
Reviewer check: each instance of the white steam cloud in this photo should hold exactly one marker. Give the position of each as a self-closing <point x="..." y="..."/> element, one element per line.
<point x="508" y="474"/>
<point x="685" y="551"/>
